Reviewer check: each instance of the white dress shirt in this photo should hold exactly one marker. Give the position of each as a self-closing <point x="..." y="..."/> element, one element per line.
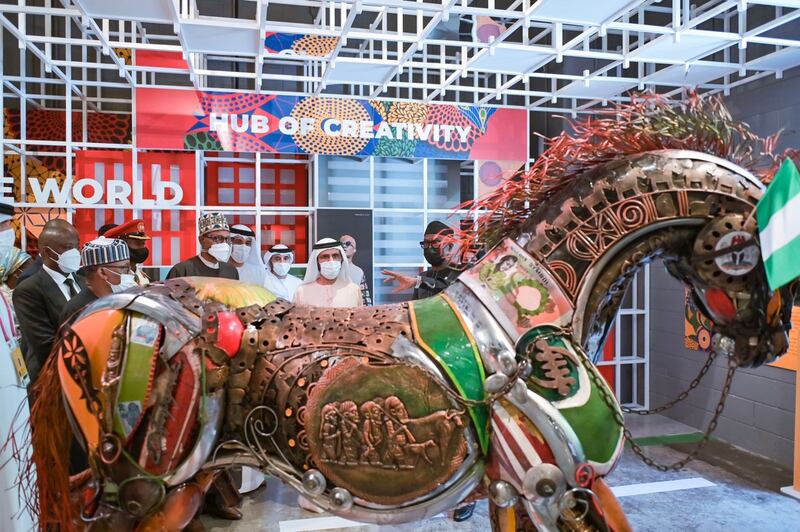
<point x="60" y="279"/>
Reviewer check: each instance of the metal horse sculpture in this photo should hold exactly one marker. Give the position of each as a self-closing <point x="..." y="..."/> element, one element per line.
<point x="395" y="413"/>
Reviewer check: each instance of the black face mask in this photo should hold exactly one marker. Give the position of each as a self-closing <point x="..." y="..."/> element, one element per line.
<point x="433" y="256"/>
<point x="139" y="255"/>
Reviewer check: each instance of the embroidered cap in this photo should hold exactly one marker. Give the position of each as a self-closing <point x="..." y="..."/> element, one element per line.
<point x="212" y="221"/>
<point x="103" y="250"/>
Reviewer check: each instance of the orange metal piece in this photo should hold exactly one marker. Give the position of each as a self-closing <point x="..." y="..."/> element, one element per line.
<point x="95" y="332"/>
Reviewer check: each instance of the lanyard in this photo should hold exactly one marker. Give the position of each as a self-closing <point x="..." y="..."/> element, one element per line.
<point x="8" y="335"/>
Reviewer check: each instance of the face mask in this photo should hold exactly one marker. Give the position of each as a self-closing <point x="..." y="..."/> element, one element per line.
<point x="433" y="256"/>
<point x="69" y="261"/>
<point x="221" y="252"/>
<point x="139" y="255"/>
<point x="126" y="280"/>
<point x="7" y="239"/>
<point x="240" y="252"/>
<point x="330" y="270"/>
<point x="281" y="268"/>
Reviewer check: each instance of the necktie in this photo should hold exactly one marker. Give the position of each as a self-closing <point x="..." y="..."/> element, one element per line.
<point x="71" y="286"/>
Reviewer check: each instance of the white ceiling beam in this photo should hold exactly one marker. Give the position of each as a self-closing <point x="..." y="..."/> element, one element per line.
<point x="355" y="9"/>
<point x="106" y="46"/>
<point x="21" y="37"/>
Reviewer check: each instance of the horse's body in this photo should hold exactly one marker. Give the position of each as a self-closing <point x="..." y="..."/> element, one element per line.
<point x="396" y="413"/>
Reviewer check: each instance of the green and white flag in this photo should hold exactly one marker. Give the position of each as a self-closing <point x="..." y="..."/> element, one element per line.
<point x="778" y="215"/>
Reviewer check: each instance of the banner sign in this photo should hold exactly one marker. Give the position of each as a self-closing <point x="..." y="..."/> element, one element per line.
<point x="183" y="119"/>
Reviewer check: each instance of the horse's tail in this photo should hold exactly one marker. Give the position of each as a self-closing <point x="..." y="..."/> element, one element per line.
<point x="44" y="474"/>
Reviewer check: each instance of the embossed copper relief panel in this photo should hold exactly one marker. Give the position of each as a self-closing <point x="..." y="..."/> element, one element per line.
<point x="394" y="422"/>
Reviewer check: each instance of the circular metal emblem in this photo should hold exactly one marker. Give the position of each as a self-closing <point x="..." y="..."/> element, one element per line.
<point x="734" y="269"/>
<point x="742" y="260"/>
<point x="385" y="433"/>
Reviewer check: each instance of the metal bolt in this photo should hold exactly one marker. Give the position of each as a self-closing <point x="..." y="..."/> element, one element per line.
<point x="495" y="383"/>
<point x="314" y="482"/>
<point x="507" y="364"/>
<point x="519" y="392"/>
<point x="503" y="494"/>
<point x="341" y="499"/>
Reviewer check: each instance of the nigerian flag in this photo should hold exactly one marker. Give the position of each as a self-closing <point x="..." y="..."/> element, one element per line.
<point x="778" y="215"/>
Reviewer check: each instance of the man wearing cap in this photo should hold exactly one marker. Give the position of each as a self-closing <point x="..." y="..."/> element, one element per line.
<point x="277" y="280"/>
<point x="106" y="262"/>
<point x="215" y="250"/>
<point x="244" y="258"/>
<point x="132" y="232"/>
<point x="327" y="282"/>
<point x="39" y="299"/>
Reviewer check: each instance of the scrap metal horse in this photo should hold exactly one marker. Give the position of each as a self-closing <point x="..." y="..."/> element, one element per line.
<point x="168" y="385"/>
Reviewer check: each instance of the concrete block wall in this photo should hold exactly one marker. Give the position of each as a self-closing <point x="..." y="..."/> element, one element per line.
<point x="759" y="412"/>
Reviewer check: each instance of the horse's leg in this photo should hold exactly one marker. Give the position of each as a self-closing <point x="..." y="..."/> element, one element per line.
<point x="180" y="506"/>
<point x="511" y="519"/>
<point x="615" y="516"/>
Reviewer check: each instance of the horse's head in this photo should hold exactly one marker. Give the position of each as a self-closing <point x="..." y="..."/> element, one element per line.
<point x="725" y="274"/>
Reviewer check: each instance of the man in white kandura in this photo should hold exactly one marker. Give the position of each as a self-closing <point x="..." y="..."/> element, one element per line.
<point x="279" y="260"/>
<point x="327" y="282"/>
<point x="244" y="257"/>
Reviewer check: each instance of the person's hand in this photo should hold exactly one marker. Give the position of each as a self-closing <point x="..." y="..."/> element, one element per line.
<point x="404" y="282"/>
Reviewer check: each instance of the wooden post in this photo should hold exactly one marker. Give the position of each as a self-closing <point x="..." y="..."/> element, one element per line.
<point x="793" y="362"/>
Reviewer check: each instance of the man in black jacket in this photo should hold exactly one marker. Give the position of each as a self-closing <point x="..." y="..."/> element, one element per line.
<point x="39" y="299"/>
<point x="440" y="275"/>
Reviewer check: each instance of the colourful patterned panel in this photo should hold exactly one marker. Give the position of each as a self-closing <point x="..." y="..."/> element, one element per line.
<point x="572" y="384"/>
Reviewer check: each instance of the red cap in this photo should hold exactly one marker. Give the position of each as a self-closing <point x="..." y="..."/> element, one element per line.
<point x="131" y="229"/>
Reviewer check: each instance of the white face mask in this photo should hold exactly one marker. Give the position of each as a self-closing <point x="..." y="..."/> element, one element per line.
<point x="281" y="268"/>
<point x="221" y="252"/>
<point x="240" y="252"/>
<point x="7" y="239"/>
<point x="126" y="280"/>
<point x="69" y="261"/>
<point x="330" y="270"/>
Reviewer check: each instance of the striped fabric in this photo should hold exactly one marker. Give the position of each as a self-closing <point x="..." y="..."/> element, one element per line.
<point x="104" y="250"/>
<point x="516" y="445"/>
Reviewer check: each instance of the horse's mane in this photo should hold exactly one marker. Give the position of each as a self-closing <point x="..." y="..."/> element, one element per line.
<point x="648" y="122"/>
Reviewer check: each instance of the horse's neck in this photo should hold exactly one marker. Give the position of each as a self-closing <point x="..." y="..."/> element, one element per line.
<point x="595" y="234"/>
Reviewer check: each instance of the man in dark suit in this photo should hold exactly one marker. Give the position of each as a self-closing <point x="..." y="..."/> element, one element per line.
<point x="40" y="299"/>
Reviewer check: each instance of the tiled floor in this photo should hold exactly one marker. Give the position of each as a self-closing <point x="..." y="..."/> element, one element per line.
<point x="744" y="500"/>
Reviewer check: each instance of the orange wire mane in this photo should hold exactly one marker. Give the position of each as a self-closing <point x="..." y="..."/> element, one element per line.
<point x="649" y="122"/>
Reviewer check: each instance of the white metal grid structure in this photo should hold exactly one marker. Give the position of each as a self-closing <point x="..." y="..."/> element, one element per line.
<point x="631" y="336"/>
<point x="559" y="55"/>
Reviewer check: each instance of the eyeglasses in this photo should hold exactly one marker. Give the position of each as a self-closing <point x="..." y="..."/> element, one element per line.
<point x="430" y="244"/>
<point x="219" y="239"/>
<point x="348" y="244"/>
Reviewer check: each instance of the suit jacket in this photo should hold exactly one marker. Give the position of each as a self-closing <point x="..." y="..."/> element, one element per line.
<point x="31" y="270"/>
<point x="38" y="302"/>
<point x="75" y="305"/>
